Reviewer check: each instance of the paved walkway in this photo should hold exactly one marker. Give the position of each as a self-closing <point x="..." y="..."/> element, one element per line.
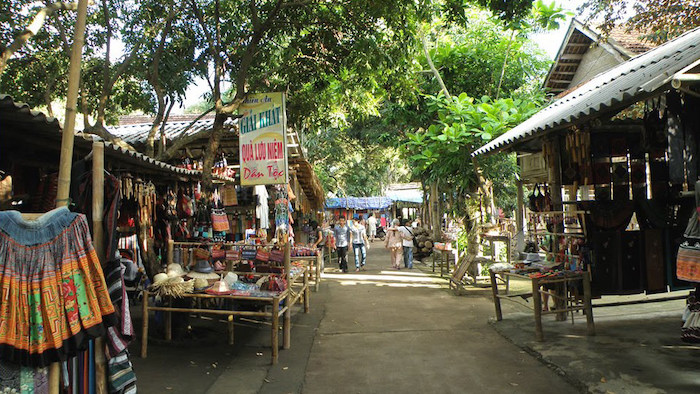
<point x="376" y="331"/>
<point x="387" y="331"/>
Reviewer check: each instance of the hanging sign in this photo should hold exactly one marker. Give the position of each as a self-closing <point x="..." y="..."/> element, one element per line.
<point x="263" y="139"/>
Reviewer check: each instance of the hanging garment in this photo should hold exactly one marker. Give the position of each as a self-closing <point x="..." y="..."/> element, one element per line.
<point x="120" y="335"/>
<point x="54" y="292"/>
<point x="262" y="211"/>
<point x="21" y="380"/>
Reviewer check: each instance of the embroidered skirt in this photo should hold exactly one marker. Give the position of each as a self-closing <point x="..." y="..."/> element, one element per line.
<point x="53" y="295"/>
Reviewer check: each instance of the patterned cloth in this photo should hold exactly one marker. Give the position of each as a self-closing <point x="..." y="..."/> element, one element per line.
<point x="121" y="378"/>
<point x="54" y="295"/>
<point x="688" y="261"/>
<point x="118" y="336"/>
<point x="690" y="332"/>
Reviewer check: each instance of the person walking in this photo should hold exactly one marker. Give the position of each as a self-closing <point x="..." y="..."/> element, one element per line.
<point x="360" y="244"/>
<point x="342" y="239"/>
<point x="394" y="243"/>
<point x="407" y="237"/>
<point x="371" y="227"/>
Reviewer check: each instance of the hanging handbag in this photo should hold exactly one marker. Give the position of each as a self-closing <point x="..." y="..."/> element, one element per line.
<point x="248" y="254"/>
<point x="218" y="254"/>
<point x="219" y="220"/>
<point x="262" y="255"/>
<point x="230" y="197"/>
<point x="277" y="255"/>
<point x="233" y="255"/>
<point x="201" y="254"/>
<point x="688" y="260"/>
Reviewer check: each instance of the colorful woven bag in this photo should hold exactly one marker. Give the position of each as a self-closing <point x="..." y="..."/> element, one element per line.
<point x="262" y="255"/>
<point x="233" y="255"/>
<point x="277" y="255"/>
<point x="219" y="220"/>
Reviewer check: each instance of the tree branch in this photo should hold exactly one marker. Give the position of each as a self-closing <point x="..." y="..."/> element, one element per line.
<point x="32" y="29"/>
<point x="432" y="66"/>
<point x="181" y="143"/>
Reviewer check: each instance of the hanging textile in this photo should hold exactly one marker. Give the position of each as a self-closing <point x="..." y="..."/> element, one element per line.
<point x="262" y="211"/>
<point x="81" y="195"/>
<point x="55" y="296"/>
<point x="17" y="379"/>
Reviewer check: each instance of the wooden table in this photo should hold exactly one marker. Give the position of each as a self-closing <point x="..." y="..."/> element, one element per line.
<point x="315" y="267"/>
<point x="295" y="292"/>
<point x="570" y="305"/>
<point x="442" y="257"/>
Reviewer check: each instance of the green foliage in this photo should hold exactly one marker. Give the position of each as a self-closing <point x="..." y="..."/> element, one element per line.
<point x="442" y="152"/>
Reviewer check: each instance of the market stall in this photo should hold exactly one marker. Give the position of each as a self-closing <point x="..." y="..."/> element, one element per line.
<point x="613" y="165"/>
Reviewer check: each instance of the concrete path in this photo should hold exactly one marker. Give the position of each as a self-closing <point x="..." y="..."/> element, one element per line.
<point x="376" y="331"/>
<point x="388" y="331"/>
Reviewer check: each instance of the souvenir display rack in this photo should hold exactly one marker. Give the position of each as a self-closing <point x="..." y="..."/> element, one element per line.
<point x="568" y="297"/>
<point x="278" y="305"/>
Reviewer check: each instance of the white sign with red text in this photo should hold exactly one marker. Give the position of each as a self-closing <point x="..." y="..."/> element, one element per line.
<point x="263" y="139"/>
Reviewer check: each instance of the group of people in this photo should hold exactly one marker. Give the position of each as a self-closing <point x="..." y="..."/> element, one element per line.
<point x="355" y="234"/>
<point x="359" y="234"/>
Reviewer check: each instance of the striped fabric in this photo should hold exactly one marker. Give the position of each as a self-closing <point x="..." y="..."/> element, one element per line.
<point x="121" y="378"/>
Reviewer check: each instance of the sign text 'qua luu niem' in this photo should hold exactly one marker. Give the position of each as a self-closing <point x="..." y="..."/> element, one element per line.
<point x="263" y="139"/>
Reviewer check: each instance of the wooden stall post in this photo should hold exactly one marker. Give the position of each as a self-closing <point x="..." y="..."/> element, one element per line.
<point x="496" y="299"/>
<point x="307" y="290"/>
<point x="519" y="216"/>
<point x="171" y="249"/>
<point x="275" y="328"/>
<point x="144" y="328"/>
<point x="230" y="329"/>
<point x="537" y="305"/>
<point x="287" y="324"/>
<point x="66" y="160"/>
<point x="588" y="307"/>
<point x="98" y="202"/>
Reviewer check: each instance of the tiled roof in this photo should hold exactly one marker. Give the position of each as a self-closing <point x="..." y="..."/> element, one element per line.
<point x="631" y="40"/>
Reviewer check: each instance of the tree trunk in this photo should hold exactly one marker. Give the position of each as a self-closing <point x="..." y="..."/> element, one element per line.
<point x="154" y="79"/>
<point x="432" y="67"/>
<point x="435" y="211"/>
<point x="505" y="62"/>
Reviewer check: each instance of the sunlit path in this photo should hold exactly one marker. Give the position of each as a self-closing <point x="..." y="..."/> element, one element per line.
<point x="391" y="331"/>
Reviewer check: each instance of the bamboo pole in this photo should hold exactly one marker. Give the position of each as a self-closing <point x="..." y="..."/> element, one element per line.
<point x="287" y="323"/>
<point x="67" y="140"/>
<point x="98" y="180"/>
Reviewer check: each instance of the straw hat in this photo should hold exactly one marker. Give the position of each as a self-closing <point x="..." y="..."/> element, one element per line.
<point x="230" y="278"/>
<point x="175" y="270"/>
<point x="203" y="270"/>
<point x="201" y="284"/>
<point x="219" y="287"/>
<point x="160" y="277"/>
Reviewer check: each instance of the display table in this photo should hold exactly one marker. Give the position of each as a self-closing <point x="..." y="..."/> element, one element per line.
<point x="567" y="278"/>
<point x="315" y="267"/>
<point x="442" y="257"/>
<point x="297" y="289"/>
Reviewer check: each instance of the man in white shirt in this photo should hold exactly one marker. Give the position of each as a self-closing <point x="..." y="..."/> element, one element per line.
<point x="372" y="227"/>
<point x="407" y="237"/>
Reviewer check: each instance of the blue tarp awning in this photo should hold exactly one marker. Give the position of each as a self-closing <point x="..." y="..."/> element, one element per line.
<point x="406" y="195"/>
<point x="359" y="203"/>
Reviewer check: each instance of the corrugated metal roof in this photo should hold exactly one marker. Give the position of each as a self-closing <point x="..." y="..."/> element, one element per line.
<point x="43" y="125"/>
<point x="138" y="133"/>
<point x="614" y="89"/>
